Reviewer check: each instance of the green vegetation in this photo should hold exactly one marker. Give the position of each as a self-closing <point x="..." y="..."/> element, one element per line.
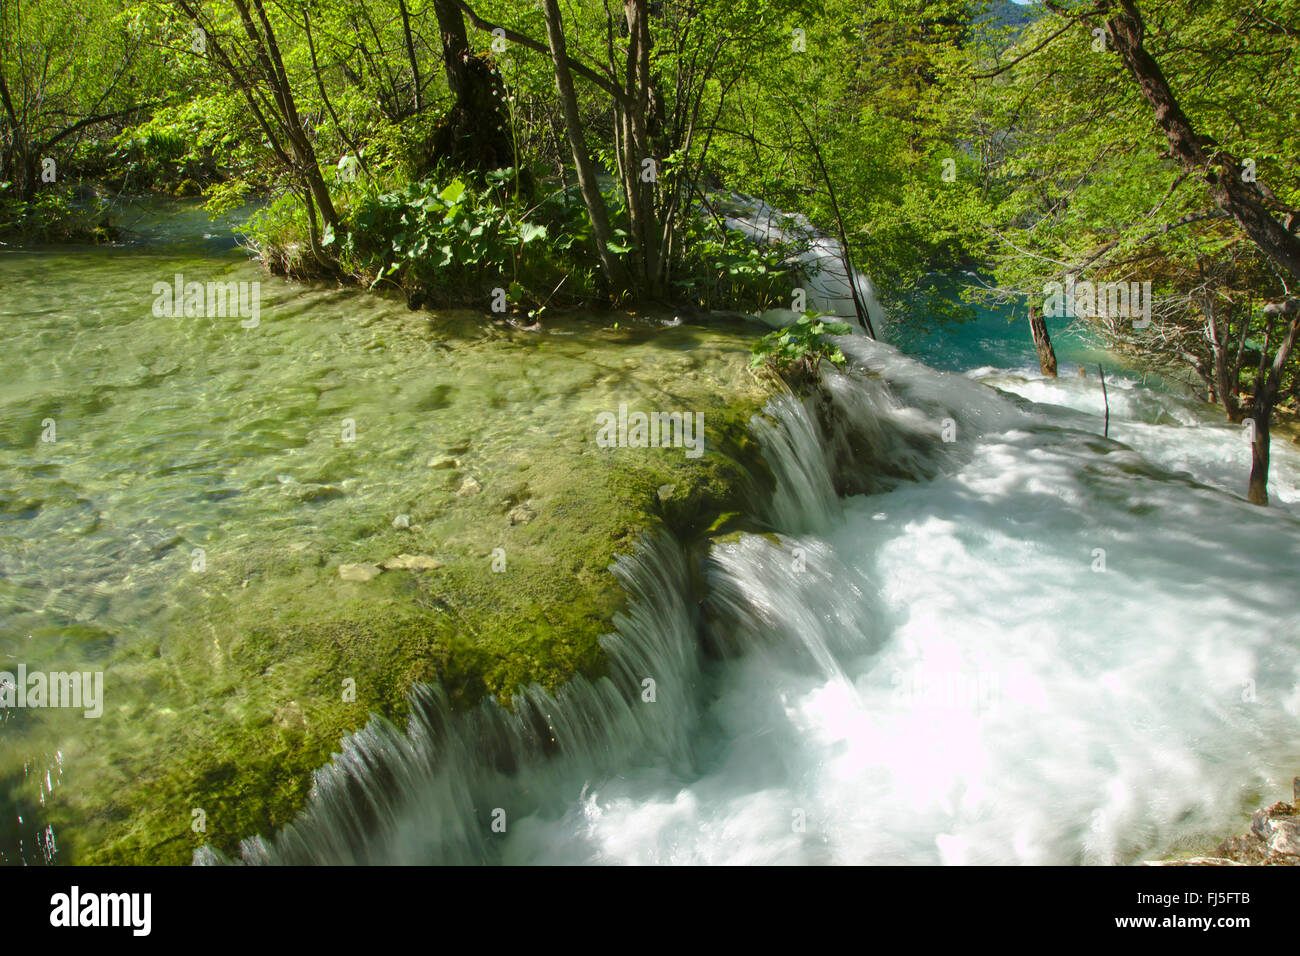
<point x="797" y="350"/>
<point x="589" y="143"/>
<point x="444" y="245"/>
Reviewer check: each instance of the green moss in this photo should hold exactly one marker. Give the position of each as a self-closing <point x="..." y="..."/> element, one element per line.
<point x="242" y="694"/>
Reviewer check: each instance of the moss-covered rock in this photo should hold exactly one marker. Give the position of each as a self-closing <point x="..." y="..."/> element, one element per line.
<point x="495" y="482"/>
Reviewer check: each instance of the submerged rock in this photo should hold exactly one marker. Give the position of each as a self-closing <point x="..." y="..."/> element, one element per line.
<point x="290" y="717"/>
<point x="358" y="572"/>
<point x="412" y="562"/>
<point x="316" y="492"/>
<point x="470" y="486"/>
<point x="1284" y="839"/>
<point x="522" y="514"/>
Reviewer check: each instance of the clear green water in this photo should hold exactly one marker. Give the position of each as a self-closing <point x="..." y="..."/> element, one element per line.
<point x="176" y="434"/>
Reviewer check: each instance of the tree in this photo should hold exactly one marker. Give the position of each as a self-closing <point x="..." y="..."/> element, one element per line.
<point x="474" y="134"/>
<point x="1235" y="193"/>
<point x="842" y="117"/>
<point x="573" y="129"/>
<point x="1097" y="171"/>
<point x="253" y="63"/>
<point x="65" y="69"/>
<point x="1042" y="342"/>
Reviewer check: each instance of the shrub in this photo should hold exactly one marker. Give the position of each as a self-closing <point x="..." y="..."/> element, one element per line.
<point x="797" y="350"/>
<point x="454" y="244"/>
<point x="724" y="268"/>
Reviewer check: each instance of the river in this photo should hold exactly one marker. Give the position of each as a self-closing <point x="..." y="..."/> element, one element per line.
<point x="1021" y="644"/>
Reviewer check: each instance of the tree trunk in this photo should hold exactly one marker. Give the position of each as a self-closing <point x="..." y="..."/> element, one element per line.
<point x="455" y="45"/>
<point x="1241" y="200"/>
<point x="267" y="51"/>
<point x="640" y="193"/>
<point x="475" y="134"/>
<point x="1224" y="378"/>
<point x="16" y="164"/>
<point x="418" y="90"/>
<point x="1267" y="384"/>
<point x="279" y="121"/>
<point x="846" y="255"/>
<point x="1042" y="342"/>
<point x="1260" y="414"/>
<point x="587" y="183"/>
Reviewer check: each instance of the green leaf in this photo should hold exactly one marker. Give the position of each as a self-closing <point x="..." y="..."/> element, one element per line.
<point x="528" y="232"/>
<point x="453" y="193"/>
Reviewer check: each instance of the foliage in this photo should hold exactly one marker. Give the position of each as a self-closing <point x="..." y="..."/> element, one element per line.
<point x="55" y="215"/>
<point x="862" y="100"/>
<point x="447" y="243"/>
<point x="723" y="269"/>
<point x="798" y="350"/>
<point x="1077" y="179"/>
<point x="724" y="105"/>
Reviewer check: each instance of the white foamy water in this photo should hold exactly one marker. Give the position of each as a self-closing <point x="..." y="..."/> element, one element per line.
<point x="1179" y="434"/>
<point x="1026" y="645"/>
<point x="826" y="279"/>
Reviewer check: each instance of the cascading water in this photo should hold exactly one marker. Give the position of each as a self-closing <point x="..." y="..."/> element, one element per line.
<point x="1022" y="644"/>
<point x="438" y="792"/>
<point x="826" y="278"/>
<point x="1076" y="656"/>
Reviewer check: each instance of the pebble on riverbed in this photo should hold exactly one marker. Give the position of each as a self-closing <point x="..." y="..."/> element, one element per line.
<point x="314" y="492"/>
<point x="522" y="515"/>
<point x="365" y="571"/>
<point x="359" y="572"/>
<point x="412" y="562"/>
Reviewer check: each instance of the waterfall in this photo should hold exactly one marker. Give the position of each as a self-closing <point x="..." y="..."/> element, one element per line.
<point x="428" y="794"/>
<point x="979" y="633"/>
<point x="821" y="262"/>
